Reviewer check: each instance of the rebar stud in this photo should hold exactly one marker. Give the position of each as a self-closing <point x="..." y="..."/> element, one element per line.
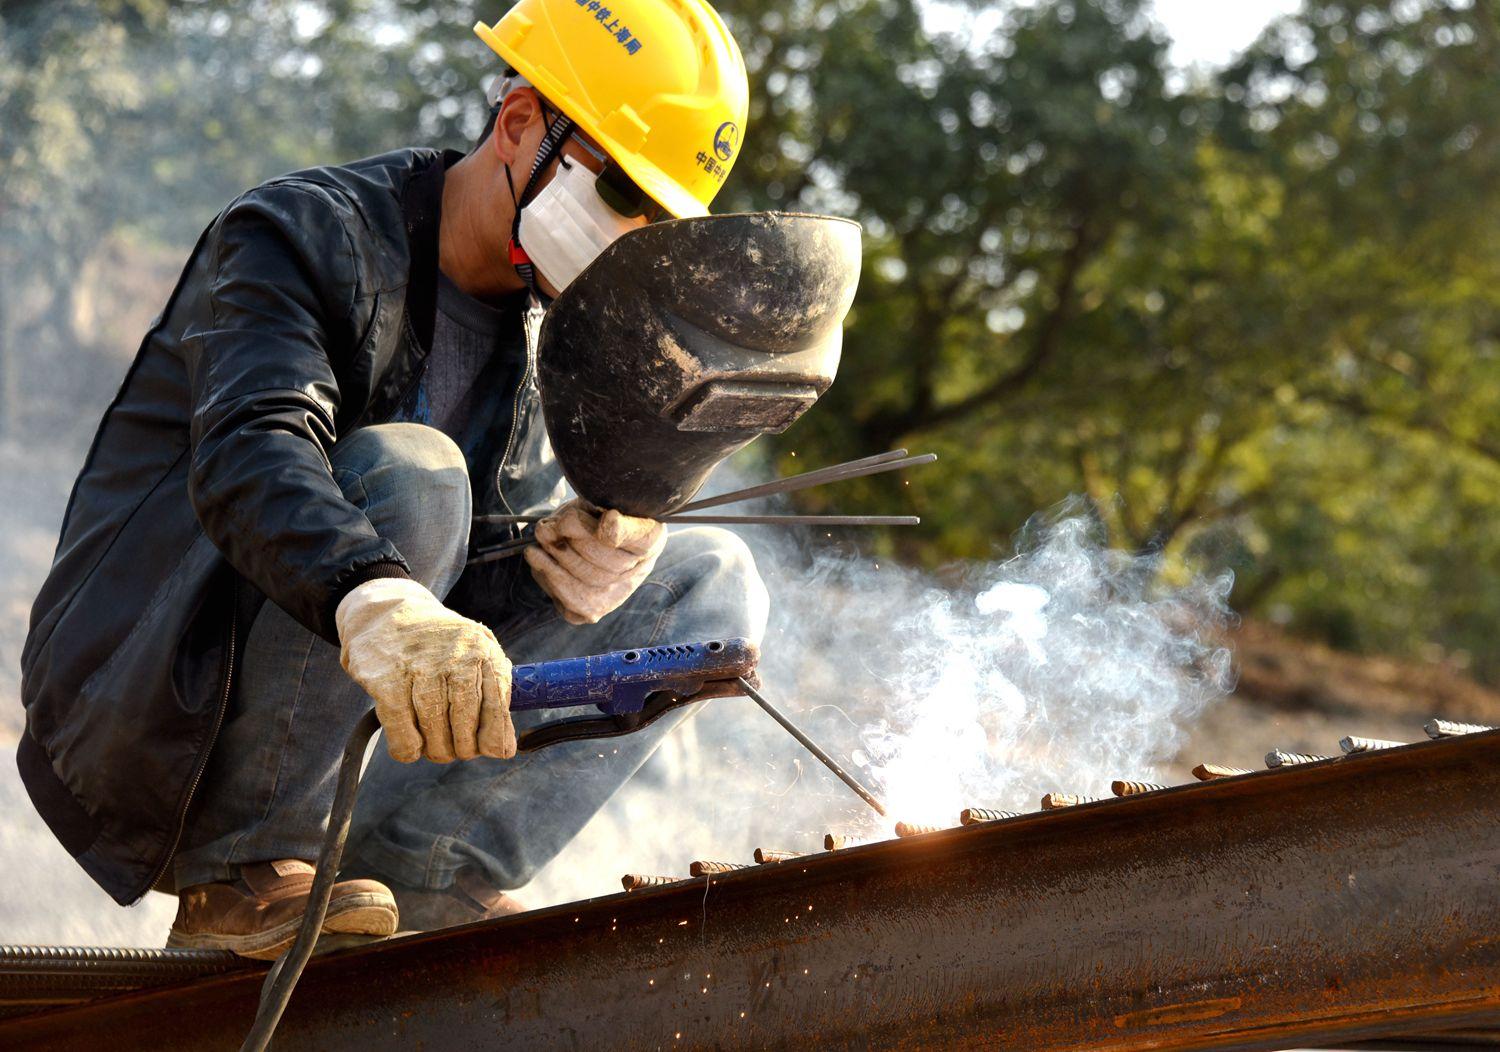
<point x="1207" y="772"/>
<point x="973" y="816"/>
<point x="708" y="869"/>
<point x="838" y="842"/>
<point x="1437" y="728"/>
<point x="1123" y="788"/>
<point x="1057" y="801"/>
<point x="637" y="881"/>
<point x="763" y="856"/>
<point x="1280" y="758"/>
<point x="1353" y="744"/>
<point x="904" y="829"/>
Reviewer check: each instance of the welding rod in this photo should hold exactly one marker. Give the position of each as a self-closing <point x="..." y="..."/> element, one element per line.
<point x="506" y="549"/>
<point x="1123" y="788"/>
<point x="905" y="829"/>
<point x="1207" y="772"/>
<point x="973" y="816"/>
<point x="1437" y="728"/>
<point x="794" y="520"/>
<point x="1353" y="744"/>
<point x="853" y="469"/>
<point x="764" y="857"/>
<point x="879" y="464"/>
<point x="677" y="518"/>
<point x="709" y="869"/>
<point x="637" y="881"/>
<point x="810" y="745"/>
<point x="1281" y="758"/>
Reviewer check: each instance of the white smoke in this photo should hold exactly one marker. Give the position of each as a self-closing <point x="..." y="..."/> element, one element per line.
<point x="1069" y="666"/>
<point x="1058" y="669"/>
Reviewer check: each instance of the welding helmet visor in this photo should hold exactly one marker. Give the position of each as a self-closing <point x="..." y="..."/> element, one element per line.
<point x="683" y="341"/>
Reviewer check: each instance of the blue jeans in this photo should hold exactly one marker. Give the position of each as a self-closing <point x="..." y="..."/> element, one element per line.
<point x="269" y="783"/>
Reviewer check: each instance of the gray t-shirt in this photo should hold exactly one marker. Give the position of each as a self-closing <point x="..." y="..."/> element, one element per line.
<point x="475" y="347"/>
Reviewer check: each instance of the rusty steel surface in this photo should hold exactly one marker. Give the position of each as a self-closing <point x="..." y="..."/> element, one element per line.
<point x="1313" y="906"/>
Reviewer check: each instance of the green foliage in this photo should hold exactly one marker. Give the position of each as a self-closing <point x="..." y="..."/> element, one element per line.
<point x="1255" y="316"/>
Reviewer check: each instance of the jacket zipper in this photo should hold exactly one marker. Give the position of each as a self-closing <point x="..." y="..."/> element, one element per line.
<point x="203" y="753"/>
<point x="515" y="409"/>
<point x="368" y="416"/>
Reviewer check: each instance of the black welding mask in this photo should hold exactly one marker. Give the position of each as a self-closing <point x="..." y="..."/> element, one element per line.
<point x="686" y="339"/>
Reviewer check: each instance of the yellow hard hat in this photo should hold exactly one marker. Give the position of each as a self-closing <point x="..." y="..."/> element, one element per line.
<point x="659" y="84"/>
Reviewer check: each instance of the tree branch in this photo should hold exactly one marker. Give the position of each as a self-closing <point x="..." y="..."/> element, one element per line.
<point x="1048" y="334"/>
<point x="1360" y="409"/>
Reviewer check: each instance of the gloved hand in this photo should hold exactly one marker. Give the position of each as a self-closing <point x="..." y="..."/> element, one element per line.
<point x="591" y="564"/>
<point x="441" y="683"/>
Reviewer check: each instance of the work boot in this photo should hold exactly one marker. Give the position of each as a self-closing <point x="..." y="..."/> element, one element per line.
<point x="259" y="914"/>
<point x="470" y="898"/>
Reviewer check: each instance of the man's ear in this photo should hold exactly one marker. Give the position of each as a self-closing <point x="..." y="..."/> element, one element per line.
<point x="517" y="113"/>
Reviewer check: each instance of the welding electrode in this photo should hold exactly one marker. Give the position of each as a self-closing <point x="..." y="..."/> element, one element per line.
<point x="810" y="745"/>
<point x="895" y="460"/>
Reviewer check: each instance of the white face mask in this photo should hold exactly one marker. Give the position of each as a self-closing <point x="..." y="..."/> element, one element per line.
<point x="567" y="224"/>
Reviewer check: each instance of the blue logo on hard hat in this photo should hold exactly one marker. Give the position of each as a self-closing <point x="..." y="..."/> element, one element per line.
<point x="726" y="139"/>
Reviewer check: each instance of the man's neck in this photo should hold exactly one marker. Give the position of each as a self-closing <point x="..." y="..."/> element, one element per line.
<point x="470" y="214"/>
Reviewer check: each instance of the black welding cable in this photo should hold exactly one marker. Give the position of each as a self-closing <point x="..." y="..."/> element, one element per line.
<point x="276" y="991"/>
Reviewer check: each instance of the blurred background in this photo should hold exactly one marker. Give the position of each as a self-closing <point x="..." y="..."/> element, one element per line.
<point x="1229" y="272"/>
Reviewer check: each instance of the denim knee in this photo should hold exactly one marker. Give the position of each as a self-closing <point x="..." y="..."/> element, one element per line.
<point x="717" y="581"/>
<point x="413" y="483"/>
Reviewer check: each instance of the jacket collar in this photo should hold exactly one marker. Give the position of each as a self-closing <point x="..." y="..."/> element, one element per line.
<point x="423" y="207"/>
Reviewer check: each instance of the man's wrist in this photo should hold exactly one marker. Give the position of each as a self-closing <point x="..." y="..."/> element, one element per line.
<point x="373" y="572"/>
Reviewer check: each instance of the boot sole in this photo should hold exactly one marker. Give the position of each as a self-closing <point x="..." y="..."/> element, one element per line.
<point x="364" y="913"/>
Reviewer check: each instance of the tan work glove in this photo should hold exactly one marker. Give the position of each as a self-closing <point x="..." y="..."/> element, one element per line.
<point x="441" y="683"/>
<point x="590" y="564"/>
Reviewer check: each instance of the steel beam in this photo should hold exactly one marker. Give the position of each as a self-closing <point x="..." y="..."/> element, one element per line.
<point x="1319" y="904"/>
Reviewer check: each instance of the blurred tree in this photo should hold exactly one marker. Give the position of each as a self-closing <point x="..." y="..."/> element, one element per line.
<point x="1240" y="315"/>
<point x="1380" y="125"/>
<point x="1022" y="180"/>
<point x="142" y="118"/>
<point x="64" y="71"/>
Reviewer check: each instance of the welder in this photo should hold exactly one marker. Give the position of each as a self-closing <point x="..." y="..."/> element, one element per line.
<point x="273" y="525"/>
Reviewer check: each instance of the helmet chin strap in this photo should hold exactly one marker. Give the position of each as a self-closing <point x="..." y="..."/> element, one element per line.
<point x="552" y="143"/>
